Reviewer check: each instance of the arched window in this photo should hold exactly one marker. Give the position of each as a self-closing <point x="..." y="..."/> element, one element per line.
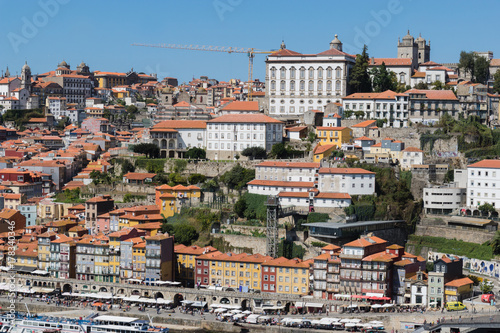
<point x="273" y="85"/>
<point x="292" y="85"/>
<point x="311" y="73"/>
<point x="311" y="85"/>
<point x="282" y="85"/>
<point x="292" y="73"/>
<point x="329" y="72"/>
<point x="320" y="85"/>
<point x="320" y="73"/>
<point x="302" y="73"/>
<point x="302" y="85"/>
<point x="329" y="85"/>
<point x="273" y="73"/>
<point x="337" y="85"/>
<point x="283" y="73"/>
<point x="338" y="72"/>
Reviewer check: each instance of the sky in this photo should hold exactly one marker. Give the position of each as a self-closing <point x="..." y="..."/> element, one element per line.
<point x="100" y="33"/>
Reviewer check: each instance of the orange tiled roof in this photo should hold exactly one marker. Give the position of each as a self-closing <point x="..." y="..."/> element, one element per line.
<point x="245" y="118"/>
<point x="459" y="282"/>
<point x="363" y="124"/>
<point x="491" y="164"/>
<point x="345" y="171"/>
<point x="332" y="195"/>
<point x="303" y="165"/>
<point x="281" y="183"/>
<point x="241" y="106"/>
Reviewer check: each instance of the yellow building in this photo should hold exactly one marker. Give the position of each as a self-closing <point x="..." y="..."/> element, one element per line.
<point x="115" y="239"/>
<point x="26" y="259"/>
<point x="323" y="151"/>
<point x="186" y="263"/>
<point x="139" y="261"/>
<point x="48" y="209"/>
<point x="43" y="249"/>
<point x="101" y="259"/>
<point x="166" y="202"/>
<point x="139" y="214"/>
<point x="234" y="270"/>
<point x="334" y="135"/>
<point x="286" y="276"/>
<point x="458" y="289"/>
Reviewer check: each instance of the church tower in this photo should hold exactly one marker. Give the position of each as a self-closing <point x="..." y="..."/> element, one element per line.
<point x="415" y="49"/>
<point x="26" y="77"/>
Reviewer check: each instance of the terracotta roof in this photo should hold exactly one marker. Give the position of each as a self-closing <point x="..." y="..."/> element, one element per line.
<point x="434" y="94"/>
<point x="334" y="52"/>
<point x="356" y="171"/>
<point x="413" y="149"/>
<point x="390" y="61"/>
<point x="138" y="175"/>
<point x="380" y="256"/>
<point x="277" y="183"/>
<point x="245" y="118"/>
<point x="491" y="164"/>
<point x="364" y="242"/>
<point x="327" y="128"/>
<point x="181" y="105"/>
<point x="181" y="124"/>
<point x="363" y="138"/>
<point x="194" y="249"/>
<point x="296" y="128"/>
<point x="332" y="195"/>
<point x="459" y="282"/>
<point x="440" y="68"/>
<point x="241" y="106"/>
<point x="284" y="53"/>
<point x="430" y="63"/>
<point x="289" y="164"/>
<point x="366" y="123"/>
<point x="294" y="194"/>
<point x="403" y="262"/>
<point x="320" y="149"/>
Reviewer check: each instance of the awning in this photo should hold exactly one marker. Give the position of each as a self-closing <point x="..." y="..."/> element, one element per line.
<point x="40" y="272"/>
<point x="97" y="304"/>
<point x="134" y="280"/>
<point x="24" y="269"/>
<point x="186" y="302"/>
<point x="198" y="304"/>
<point x="375" y="298"/>
<point x="314" y="305"/>
<point x="42" y="290"/>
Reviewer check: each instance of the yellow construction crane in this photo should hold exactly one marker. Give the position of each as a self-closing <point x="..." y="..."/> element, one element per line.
<point x="251" y="52"/>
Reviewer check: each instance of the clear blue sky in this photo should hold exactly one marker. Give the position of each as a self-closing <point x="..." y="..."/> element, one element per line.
<point x="100" y="32"/>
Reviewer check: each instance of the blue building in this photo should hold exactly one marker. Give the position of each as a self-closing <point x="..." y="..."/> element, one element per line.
<point x="29" y="212"/>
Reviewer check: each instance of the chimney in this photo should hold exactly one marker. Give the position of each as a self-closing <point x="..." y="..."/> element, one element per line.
<point x="372" y="61"/>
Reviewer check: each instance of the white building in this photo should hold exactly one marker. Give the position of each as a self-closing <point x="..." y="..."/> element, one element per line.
<point x="387" y="105"/>
<point x="190" y="133"/>
<point x="56" y="106"/>
<point x="287" y="171"/>
<point x="364" y="142"/>
<point x="443" y="199"/>
<point x="332" y="120"/>
<point x="230" y="134"/>
<point x="402" y="67"/>
<point x="483" y="183"/>
<point x="274" y="187"/>
<point x="298" y="82"/>
<point x="329" y="200"/>
<point x="411" y="156"/>
<point x="354" y="181"/>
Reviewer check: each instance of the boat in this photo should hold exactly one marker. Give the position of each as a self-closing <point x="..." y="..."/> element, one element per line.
<point x="93" y="324"/>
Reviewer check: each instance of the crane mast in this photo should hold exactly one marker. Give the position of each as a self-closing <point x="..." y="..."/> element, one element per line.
<point x="251" y="52"/>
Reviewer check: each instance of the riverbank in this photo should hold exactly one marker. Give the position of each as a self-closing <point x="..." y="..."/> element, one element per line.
<point x="180" y="322"/>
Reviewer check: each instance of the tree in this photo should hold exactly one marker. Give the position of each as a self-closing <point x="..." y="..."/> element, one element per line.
<point x="359" y="114"/>
<point x="254" y="152"/>
<point x="180" y="165"/>
<point x="466" y="62"/>
<point x="150" y="149"/>
<point x="422" y="85"/>
<point x="237" y="177"/>
<point x="486" y="208"/>
<point x="382" y="79"/>
<point x="496" y="82"/>
<point x="127" y="167"/>
<point x="185" y="234"/>
<point x="196" y="153"/>
<point x="279" y="151"/>
<point x="240" y="206"/>
<point x="495" y="243"/>
<point x="438" y="85"/>
<point x="348" y="114"/>
<point x="132" y="109"/>
<point x="196" y="178"/>
<point x="211" y="186"/>
<point x="481" y="69"/>
<point x="359" y="79"/>
<point x="486" y="286"/>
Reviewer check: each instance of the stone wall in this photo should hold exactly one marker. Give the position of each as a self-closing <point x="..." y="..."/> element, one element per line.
<point x="478" y="237"/>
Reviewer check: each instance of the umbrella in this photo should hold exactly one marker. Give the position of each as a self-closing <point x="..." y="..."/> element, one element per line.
<point x="97" y="304"/>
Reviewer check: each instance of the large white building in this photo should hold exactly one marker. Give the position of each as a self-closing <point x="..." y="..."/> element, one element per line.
<point x="56" y="106"/>
<point x="190" y="133"/>
<point x="483" y="183"/>
<point x="230" y="134"/>
<point x="387" y="105"/>
<point x="298" y="82"/>
<point x="354" y="181"/>
<point x="287" y="171"/>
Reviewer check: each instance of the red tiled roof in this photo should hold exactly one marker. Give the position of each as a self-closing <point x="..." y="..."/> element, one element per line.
<point x="430" y="63"/>
<point x="180" y="124"/>
<point x="322" y="149"/>
<point x="332" y="195"/>
<point x="281" y="183"/>
<point x="245" y="118"/>
<point x="285" y="53"/>
<point x="390" y="61"/>
<point x="327" y="128"/>
<point x="294" y="194"/>
<point x="138" y="175"/>
<point x="356" y="171"/>
<point x="435" y="94"/>
<point x="289" y="164"/>
<point x="491" y="164"/>
<point x="363" y="124"/>
<point x="459" y="282"/>
<point x="241" y="106"/>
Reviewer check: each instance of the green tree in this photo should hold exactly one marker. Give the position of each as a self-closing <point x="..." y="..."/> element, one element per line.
<point x="486" y="286"/>
<point x="254" y="152"/>
<point x="196" y="153"/>
<point x="180" y="165"/>
<point x="196" y="178"/>
<point x="466" y="62"/>
<point x="422" y="85"/>
<point x="438" y="85"/>
<point x="240" y="206"/>
<point x="495" y="243"/>
<point x="348" y="114"/>
<point x="185" y="234"/>
<point x="211" y="186"/>
<point x="311" y="136"/>
<point x="132" y="109"/>
<point x="127" y="167"/>
<point x="496" y="82"/>
<point x="150" y="149"/>
<point x="238" y="177"/>
<point x="279" y="151"/>
<point x="359" y="79"/>
<point x="359" y="114"/>
<point x="481" y="69"/>
<point x="486" y="208"/>
<point x="382" y="79"/>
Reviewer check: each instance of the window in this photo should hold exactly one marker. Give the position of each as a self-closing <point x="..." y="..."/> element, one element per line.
<point x="273" y="85"/>
<point x="282" y="73"/>
<point x="302" y="85"/>
<point x="302" y="73"/>
<point x="292" y="73"/>
<point x="311" y="73"/>
<point x="292" y="85"/>
<point x="282" y="85"/>
<point x="329" y="73"/>
<point x="338" y="73"/>
<point x="320" y="85"/>
<point x="311" y="85"/>
<point x="337" y="85"/>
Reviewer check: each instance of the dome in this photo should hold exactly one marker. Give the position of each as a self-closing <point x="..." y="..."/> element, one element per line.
<point x="408" y="36"/>
<point x="336" y="43"/>
<point x="26" y="67"/>
<point x="336" y="40"/>
<point x="83" y="64"/>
